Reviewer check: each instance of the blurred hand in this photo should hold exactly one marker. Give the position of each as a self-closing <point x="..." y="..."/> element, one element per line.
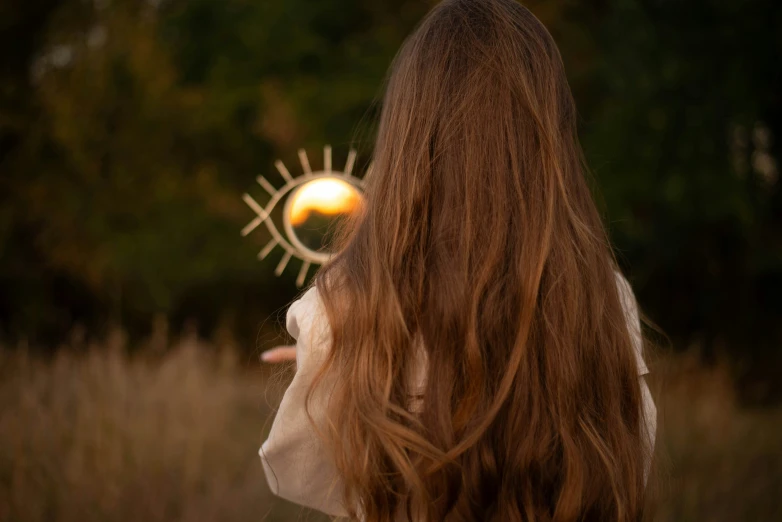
<point x="279" y="354"/>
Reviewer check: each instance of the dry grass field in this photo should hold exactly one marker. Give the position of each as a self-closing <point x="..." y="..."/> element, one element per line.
<point x="172" y="435"/>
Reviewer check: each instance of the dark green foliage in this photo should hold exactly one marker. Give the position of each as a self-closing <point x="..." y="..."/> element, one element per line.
<point x="128" y="133"/>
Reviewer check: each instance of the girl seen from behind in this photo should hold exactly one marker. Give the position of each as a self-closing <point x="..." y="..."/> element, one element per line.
<point x="471" y="353"/>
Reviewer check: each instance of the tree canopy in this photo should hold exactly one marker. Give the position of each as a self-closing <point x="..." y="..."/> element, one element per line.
<point x="129" y="130"/>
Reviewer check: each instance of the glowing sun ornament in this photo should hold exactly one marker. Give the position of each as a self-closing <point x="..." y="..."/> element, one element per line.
<point x="315" y="201"/>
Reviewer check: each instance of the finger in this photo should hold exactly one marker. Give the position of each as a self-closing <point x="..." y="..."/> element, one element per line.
<point x="279" y="354"/>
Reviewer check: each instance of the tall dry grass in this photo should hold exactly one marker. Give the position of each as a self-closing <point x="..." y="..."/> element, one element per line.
<point x="720" y="462"/>
<point x="99" y="435"/>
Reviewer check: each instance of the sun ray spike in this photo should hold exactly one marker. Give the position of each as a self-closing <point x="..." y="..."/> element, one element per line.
<point x="252" y="225"/>
<point x="266" y="185"/>
<point x="302" y="274"/>
<point x="327" y="158"/>
<point x="255" y="206"/>
<point x="368" y="173"/>
<point x="283" y="263"/>
<point x="268" y="248"/>
<point x="350" y="162"/>
<point x="283" y="170"/>
<point x="305" y="163"/>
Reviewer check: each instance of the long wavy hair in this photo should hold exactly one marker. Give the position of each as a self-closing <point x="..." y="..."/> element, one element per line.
<point x="481" y="253"/>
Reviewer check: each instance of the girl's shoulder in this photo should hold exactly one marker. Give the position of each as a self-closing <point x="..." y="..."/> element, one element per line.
<point x="303" y="312"/>
<point x="307" y="322"/>
<point x="632" y="317"/>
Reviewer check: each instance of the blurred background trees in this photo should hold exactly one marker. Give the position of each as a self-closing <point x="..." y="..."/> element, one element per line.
<point x="129" y="130"/>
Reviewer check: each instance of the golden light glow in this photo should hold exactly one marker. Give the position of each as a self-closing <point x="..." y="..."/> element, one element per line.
<point x="327" y="196"/>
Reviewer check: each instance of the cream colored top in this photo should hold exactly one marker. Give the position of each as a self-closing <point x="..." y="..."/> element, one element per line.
<point x="296" y="465"/>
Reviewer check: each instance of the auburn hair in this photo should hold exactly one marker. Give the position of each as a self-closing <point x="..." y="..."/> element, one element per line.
<point x="481" y="247"/>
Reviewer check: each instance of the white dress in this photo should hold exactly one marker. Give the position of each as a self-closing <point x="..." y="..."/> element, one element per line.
<point x="296" y="465"/>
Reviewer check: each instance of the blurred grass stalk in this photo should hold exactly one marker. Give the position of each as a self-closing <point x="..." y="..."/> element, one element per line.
<point x="171" y="433"/>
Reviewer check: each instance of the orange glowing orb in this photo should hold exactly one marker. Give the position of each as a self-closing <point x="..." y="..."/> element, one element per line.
<point x="325" y="196"/>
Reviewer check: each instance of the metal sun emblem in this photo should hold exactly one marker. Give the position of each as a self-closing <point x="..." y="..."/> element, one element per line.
<point x="314" y="199"/>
